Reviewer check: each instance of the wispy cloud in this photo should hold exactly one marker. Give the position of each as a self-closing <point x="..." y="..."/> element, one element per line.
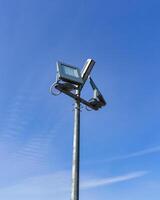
<point x="137" y="153"/>
<point x="36" y="150"/>
<point x="58" y="184"/>
<point x="48" y="187"/>
<point x="112" y="180"/>
<point x="24" y="140"/>
<point x="17" y="117"/>
<point x="143" y="152"/>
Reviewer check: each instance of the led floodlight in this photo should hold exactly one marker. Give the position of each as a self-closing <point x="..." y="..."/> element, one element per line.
<point x="88" y="66"/>
<point x="97" y="93"/>
<point x="69" y="73"/>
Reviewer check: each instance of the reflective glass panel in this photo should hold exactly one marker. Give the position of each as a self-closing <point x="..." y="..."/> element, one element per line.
<point x="71" y="72"/>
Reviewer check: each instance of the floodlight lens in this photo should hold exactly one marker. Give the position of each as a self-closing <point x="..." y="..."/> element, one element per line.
<point x="70" y="71"/>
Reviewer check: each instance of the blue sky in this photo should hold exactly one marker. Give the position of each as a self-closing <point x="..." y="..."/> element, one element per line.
<point x="120" y="145"/>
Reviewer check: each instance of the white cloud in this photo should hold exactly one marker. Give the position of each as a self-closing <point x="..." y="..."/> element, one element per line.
<point x="51" y="186"/>
<point x="113" y="180"/>
<point x="143" y="152"/>
<point x="137" y="153"/>
<point x="57" y="186"/>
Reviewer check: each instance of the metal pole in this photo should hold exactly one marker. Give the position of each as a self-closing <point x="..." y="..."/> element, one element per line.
<point x="76" y="151"/>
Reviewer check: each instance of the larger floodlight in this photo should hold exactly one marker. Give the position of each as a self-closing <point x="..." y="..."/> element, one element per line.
<point x="69" y="73"/>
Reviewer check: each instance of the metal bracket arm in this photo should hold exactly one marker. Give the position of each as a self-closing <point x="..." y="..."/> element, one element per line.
<point x="59" y="87"/>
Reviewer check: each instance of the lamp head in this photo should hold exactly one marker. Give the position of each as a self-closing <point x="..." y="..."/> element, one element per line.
<point x="88" y="66"/>
<point x="68" y="73"/>
<point x="97" y="94"/>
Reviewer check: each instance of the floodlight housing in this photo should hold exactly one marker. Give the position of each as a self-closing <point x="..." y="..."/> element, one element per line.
<point x="97" y="94"/>
<point x="69" y="73"/>
<point x="88" y="66"/>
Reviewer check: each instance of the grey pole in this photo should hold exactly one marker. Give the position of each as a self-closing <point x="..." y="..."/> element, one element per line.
<point x="66" y="83"/>
<point x="76" y="151"/>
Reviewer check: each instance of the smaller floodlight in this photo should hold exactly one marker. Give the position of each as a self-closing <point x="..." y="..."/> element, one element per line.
<point x="88" y="66"/>
<point x="97" y="94"/>
<point x="69" y="73"/>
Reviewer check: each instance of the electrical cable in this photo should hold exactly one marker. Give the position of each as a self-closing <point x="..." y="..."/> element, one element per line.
<point x="51" y="90"/>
